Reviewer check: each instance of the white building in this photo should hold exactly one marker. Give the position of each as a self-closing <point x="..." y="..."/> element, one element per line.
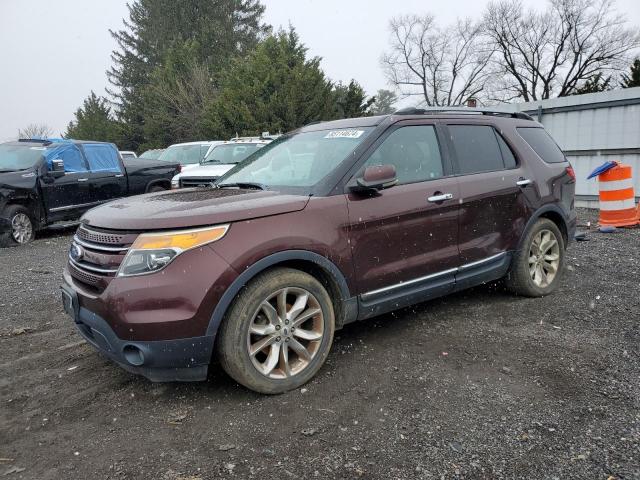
<point x="592" y="129"/>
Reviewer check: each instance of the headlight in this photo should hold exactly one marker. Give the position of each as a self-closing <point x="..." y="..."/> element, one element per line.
<point x="151" y="252"/>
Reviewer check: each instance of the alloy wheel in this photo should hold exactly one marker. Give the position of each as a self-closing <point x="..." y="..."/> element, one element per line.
<point x="285" y="333"/>
<point x="22" y="229"/>
<point x="544" y="258"/>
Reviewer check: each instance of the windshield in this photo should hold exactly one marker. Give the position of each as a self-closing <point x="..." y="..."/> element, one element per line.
<point x="299" y="160"/>
<point x="19" y="157"/>
<point x="231" y="153"/>
<point x="183" y="154"/>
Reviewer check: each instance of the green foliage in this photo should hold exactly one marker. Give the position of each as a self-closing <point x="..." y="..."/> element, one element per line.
<point x="94" y="121"/>
<point x="216" y="30"/>
<point x="594" y="84"/>
<point x="351" y="101"/>
<point x="176" y="98"/>
<point x="632" y="79"/>
<point x="276" y="88"/>
<point x="384" y="103"/>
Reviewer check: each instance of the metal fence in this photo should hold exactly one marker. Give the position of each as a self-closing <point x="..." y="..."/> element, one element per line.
<point x="592" y="129"/>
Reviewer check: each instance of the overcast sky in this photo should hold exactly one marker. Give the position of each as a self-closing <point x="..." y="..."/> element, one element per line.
<point x="52" y="54"/>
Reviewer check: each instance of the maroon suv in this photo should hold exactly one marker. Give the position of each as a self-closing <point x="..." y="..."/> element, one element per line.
<point x="332" y="223"/>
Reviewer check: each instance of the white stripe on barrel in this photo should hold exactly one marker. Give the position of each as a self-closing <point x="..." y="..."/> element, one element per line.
<point x="617" y="204"/>
<point x="616" y="185"/>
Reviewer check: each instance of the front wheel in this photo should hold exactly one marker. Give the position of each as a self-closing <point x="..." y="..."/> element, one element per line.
<point x="21" y="229"/>
<point x="278" y="332"/>
<point x="538" y="266"/>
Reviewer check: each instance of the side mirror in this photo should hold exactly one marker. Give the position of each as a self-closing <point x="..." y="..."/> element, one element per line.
<point x="57" y="167"/>
<point x="376" y="178"/>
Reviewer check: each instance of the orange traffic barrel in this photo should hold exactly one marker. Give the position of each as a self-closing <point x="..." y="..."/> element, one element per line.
<point x="617" y="198"/>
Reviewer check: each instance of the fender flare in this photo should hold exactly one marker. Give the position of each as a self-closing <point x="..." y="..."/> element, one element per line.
<point x="263" y="264"/>
<point x="158" y="181"/>
<point x="537" y="214"/>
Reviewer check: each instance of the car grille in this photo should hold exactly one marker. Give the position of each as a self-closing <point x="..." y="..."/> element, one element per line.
<point x="189" y="182"/>
<point x="101" y="253"/>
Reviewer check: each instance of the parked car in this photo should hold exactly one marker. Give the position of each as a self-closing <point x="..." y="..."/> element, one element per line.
<point x="128" y="155"/>
<point x="332" y="223"/>
<point x="52" y="182"/>
<point x="220" y="159"/>
<point x="153" y="154"/>
<point x="188" y="155"/>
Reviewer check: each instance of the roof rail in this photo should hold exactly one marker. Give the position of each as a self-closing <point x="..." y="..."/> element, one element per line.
<point x="43" y="141"/>
<point x="463" y="111"/>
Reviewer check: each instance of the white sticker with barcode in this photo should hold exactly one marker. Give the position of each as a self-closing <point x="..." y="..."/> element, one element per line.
<point x="344" y="134"/>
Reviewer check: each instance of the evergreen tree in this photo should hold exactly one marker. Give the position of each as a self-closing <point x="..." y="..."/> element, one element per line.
<point x="384" y="103"/>
<point x="351" y="100"/>
<point x="221" y="29"/>
<point x="276" y="88"/>
<point x="94" y="121"/>
<point x="632" y="79"/>
<point x="176" y="98"/>
<point x="593" y="85"/>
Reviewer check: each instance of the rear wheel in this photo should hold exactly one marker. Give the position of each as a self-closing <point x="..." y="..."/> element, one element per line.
<point x="278" y="332"/>
<point x="21" y="229"/>
<point x="538" y="265"/>
<point x="156" y="188"/>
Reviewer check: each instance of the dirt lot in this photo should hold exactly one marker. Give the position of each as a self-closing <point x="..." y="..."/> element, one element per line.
<point x="477" y="385"/>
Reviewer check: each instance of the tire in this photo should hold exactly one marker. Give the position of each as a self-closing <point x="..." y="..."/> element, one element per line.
<point x="22" y="229"/>
<point x="278" y="335"/>
<point x="156" y="188"/>
<point x="532" y="272"/>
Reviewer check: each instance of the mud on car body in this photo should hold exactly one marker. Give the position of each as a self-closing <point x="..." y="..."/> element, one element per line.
<point x="333" y="223"/>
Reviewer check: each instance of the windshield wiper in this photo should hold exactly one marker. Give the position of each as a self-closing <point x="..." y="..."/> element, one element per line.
<point x="209" y="161"/>
<point x="8" y="171"/>
<point x="247" y="185"/>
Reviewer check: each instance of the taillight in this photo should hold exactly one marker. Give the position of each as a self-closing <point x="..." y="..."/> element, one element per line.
<point x="571" y="172"/>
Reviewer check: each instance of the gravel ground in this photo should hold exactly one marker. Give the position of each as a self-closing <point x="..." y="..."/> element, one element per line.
<point x="480" y="384"/>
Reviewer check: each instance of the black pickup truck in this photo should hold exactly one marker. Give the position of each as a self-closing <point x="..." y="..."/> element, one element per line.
<point x="45" y="183"/>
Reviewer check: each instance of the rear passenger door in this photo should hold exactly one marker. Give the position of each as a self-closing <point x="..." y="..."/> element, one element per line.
<point x="493" y="201"/>
<point x="404" y="239"/>
<point x="106" y="173"/>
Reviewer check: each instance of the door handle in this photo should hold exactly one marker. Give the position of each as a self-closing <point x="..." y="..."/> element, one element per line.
<point x="83" y="179"/>
<point x="440" y="197"/>
<point x="119" y="175"/>
<point x="523" y="182"/>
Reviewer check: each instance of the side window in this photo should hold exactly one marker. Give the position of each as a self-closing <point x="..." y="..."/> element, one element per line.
<point x="414" y="151"/>
<point x="507" y="154"/>
<point x="72" y="157"/>
<point x="542" y="144"/>
<point x="476" y="148"/>
<point x="102" y="158"/>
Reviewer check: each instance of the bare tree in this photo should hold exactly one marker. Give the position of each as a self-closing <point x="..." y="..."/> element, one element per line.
<point x="445" y="66"/>
<point x="551" y="53"/>
<point x="35" y="130"/>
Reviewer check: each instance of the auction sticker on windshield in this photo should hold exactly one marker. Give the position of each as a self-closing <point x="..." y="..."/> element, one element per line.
<point x="344" y="134"/>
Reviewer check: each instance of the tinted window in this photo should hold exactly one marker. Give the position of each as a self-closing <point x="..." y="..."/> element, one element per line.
<point x="507" y="155"/>
<point x="542" y="144"/>
<point x="476" y="148"/>
<point x="414" y="151"/>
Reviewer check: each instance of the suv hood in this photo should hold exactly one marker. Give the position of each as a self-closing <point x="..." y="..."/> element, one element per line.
<point x="191" y="208"/>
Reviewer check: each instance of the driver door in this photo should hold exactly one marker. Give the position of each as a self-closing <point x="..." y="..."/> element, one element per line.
<point x="65" y="197"/>
<point x="404" y="239"/>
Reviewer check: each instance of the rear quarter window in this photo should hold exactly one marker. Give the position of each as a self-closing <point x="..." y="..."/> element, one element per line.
<point x="542" y="143"/>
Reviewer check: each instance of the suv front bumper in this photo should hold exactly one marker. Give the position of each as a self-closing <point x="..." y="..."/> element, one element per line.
<point x="185" y="359"/>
